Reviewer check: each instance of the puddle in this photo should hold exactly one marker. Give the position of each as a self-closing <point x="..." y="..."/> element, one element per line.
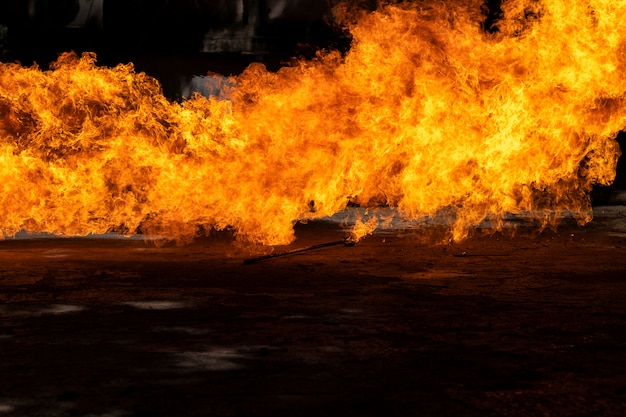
<point x="437" y="274"/>
<point x="157" y="305"/>
<point x="37" y="311"/>
<point x="219" y="359"/>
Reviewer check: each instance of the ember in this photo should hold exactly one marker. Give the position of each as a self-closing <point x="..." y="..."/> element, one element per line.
<point x="426" y="113"/>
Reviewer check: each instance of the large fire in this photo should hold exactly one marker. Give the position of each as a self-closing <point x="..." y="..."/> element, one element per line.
<point x="427" y="113"/>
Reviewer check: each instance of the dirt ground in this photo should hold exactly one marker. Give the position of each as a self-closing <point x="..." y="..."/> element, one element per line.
<point x="530" y="325"/>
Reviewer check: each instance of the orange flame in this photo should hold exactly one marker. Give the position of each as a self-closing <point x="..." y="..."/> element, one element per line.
<point x="362" y="229"/>
<point x="426" y="113"/>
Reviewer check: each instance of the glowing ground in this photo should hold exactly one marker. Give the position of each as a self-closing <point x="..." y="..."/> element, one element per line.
<point x="522" y="326"/>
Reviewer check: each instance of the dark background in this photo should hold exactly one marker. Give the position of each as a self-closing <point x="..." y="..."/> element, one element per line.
<point x="168" y="39"/>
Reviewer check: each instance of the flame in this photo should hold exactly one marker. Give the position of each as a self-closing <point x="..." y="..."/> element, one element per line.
<point x="427" y="112"/>
<point x="360" y="229"/>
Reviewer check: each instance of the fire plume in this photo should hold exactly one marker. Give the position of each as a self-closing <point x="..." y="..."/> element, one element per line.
<point x="427" y="113"/>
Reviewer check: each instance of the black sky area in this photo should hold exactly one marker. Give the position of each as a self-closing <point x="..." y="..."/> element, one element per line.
<point x="143" y="31"/>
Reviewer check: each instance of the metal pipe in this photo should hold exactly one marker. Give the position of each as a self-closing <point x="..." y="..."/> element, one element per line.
<point x="345" y="242"/>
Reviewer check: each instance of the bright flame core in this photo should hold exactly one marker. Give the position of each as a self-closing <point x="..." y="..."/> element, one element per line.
<point x="426" y="112"/>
